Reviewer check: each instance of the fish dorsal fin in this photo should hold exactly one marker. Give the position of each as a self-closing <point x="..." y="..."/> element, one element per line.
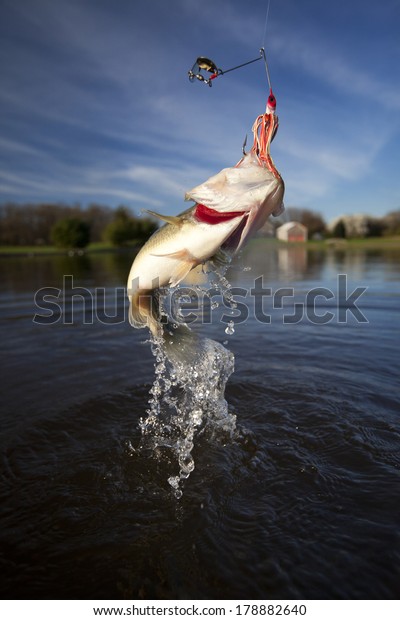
<point x="170" y="219"/>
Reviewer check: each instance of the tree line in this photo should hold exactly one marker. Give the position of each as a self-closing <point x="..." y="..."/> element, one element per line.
<point x="346" y="226"/>
<point x="71" y="225"/>
<point x="359" y="225"/>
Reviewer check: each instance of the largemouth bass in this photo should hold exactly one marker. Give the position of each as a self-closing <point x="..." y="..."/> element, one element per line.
<point x="229" y="208"/>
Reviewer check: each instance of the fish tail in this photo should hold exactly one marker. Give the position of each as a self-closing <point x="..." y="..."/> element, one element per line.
<point x="181" y="345"/>
<point x="144" y="310"/>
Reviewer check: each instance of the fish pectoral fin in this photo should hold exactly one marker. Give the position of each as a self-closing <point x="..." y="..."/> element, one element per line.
<point x="170" y="219"/>
<point x="181" y="271"/>
<point x="185" y="263"/>
<point x="180" y="254"/>
<point x="221" y="258"/>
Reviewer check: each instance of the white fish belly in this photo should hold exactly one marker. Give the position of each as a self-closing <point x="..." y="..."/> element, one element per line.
<point x="155" y="262"/>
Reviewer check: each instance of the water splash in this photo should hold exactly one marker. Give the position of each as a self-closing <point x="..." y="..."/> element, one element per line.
<point x="187" y="398"/>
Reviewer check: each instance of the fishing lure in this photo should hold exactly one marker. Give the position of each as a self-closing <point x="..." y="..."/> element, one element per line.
<point x="205" y="64"/>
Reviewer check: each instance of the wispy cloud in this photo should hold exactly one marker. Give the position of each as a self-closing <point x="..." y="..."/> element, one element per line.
<point x="351" y="164"/>
<point x="52" y="190"/>
<point x="333" y="69"/>
<point x="13" y="146"/>
<point x="95" y="101"/>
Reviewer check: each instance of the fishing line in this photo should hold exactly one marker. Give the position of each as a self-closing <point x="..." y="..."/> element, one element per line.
<point x="262" y="48"/>
<point x="265" y="24"/>
<point x="266" y="68"/>
<point x="221" y="72"/>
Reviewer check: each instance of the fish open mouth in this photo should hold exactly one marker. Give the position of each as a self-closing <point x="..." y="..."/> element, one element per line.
<point x="264" y="129"/>
<point x="211" y="216"/>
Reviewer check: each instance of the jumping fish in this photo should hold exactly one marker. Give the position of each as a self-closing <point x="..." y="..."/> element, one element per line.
<point x="229" y="208"/>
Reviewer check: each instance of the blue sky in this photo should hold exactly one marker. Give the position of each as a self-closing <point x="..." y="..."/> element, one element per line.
<point x="96" y="106"/>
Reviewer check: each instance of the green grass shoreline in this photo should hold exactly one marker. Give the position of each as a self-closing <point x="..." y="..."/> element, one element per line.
<point x="46" y="250"/>
<point x="379" y="243"/>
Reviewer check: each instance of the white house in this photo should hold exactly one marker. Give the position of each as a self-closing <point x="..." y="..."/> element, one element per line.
<point x="292" y="231"/>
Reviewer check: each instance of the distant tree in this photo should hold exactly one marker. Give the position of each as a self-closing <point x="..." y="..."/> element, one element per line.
<point x="45" y="216"/>
<point x="375" y="227"/>
<point x="147" y="227"/>
<point x="391" y="223"/>
<point x="339" y="230"/>
<point x="122" y="228"/>
<point x="17" y="224"/>
<point x="314" y="221"/>
<point x="33" y="224"/>
<point x="125" y="228"/>
<point x="70" y="233"/>
<point x="119" y="232"/>
<point x="123" y="213"/>
<point x="98" y="217"/>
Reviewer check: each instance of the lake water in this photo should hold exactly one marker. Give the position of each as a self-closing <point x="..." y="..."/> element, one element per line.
<point x="300" y="500"/>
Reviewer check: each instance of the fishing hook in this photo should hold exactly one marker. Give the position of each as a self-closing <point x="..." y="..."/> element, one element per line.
<point x="244" y="145"/>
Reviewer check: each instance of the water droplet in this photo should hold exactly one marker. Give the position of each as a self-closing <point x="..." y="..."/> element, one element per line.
<point x="196" y="417"/>
<point x="174" y="482"/>
<point x="186" y="463"/>
<point x="230" y="329"/>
